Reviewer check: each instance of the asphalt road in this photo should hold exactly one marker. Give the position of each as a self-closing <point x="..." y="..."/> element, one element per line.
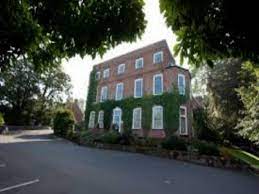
<point x="33" y="162"/>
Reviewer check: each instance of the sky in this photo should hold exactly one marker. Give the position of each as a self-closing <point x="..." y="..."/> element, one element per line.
<point x="79" y="69"/>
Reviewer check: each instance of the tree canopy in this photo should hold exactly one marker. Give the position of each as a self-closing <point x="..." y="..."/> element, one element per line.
<point x="28" y="95"/>
<point x="210" y="29"/>
<point x="46" y="31"/>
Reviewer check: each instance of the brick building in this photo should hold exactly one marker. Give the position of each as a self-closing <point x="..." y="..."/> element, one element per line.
<point x="150" y="70"/>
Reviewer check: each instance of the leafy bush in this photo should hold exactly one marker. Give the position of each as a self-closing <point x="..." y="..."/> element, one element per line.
<point x="63" y="122"/>
<point x="72" y="135"/>
<point x="205" y="148"/>
<point x="203" y="131"/>
<point x="110" y="137"/>
<point x="88" y="136"/>
<point x="1" y="120"/>
<point x="174" y="143"/>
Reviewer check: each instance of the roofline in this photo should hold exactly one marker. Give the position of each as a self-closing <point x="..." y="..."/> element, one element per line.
<point x="136" y="50"/>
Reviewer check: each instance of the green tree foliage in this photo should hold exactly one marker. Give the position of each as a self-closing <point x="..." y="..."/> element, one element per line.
<point x="224" y="103"/>
<point x="63" y="122"/>
<point x="207" y="30"/>
<point x="249" y="124"/>
<point x="27" y="94"/>
<point x="1" y="120"/>
<point x="47" y="30"/>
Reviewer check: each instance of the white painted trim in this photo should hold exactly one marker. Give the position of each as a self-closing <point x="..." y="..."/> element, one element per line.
<point x="186" y="122"/>
<point x="158" y="53"/>
<point x="133" y="121"/>
<point x="117" y="89"/>
<point x="113" y="117"/>
<point x="102" y="91"/>
<point x="139" y="59"/>
<point x="118" y="69"/>
<point x="162" y="83"/>
<point x="135" y="92"/>
<point x="183" y="76"/>
<point x="98" y="75"/>
<point x="90" y="124"/>
<point x="153" y="116"/>
<point x="105" y="72"/>
<point x="99" y="115"/>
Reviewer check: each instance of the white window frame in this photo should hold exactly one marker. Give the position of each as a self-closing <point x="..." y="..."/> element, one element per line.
<point x="154" y="108"/>
<point x="113" y="117"/>
<point x="102" y="91"/>
<point x="121" y="69"/>
<point x="91" y="121"/>
<point x="186" y="122"/>
<point x="117" y="97"/>
<point x="133" y="118"/>
<point x="106" y="73"/>
<point x="135" y="88"/>
<point x="98" y="75"/>
<point x="184" y="83"/>
<point x="158" y="53"/>
<point x="100" y="119"/>
<point x="136" y="62"/>
<point x="154" y="83"/>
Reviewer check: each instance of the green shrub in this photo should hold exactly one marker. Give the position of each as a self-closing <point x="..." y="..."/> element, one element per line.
<point x="174" y="143"/>
<point x="110" y="137"/>
<point x="202" y="129"/>
<point x="72" y="135"/>
<point x="88" y="136"/>
<point x="1" y="120"/>
<point x="63" y="122"/>
<point x="205" y="148"/>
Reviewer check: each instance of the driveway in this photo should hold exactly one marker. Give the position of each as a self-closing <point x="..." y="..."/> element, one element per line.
<point x="35" y="162"/>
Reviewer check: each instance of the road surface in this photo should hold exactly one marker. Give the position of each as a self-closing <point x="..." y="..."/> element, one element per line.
<point x="34" y="162"/>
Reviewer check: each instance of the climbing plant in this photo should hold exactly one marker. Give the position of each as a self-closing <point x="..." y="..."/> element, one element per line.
<point x="170" y="102"/>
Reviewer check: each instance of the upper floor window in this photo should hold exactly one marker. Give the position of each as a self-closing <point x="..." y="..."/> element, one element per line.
<point x="100" y="119"/>
<point x="121" y="69"/>
<point x="136" y="118"/>
<point x="104" y="94"/>
<point x="157" y="117"/>
<point x="91" y="119"/>
<point x="181" y="84"/>
<point x="183" y="120"/>
<point x="119" y="91"/>
<point x="116" y="119"/>
<point x="157" y="84"/>
<point x="139" y="63"/>
<point x="158" y="57"/>
<point x="138" y="88"/>
<point x="106" y="73"/>
<point x="98" y="75"/>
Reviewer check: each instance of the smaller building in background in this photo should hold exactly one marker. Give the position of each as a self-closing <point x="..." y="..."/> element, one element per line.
<point x="76" y="107"/>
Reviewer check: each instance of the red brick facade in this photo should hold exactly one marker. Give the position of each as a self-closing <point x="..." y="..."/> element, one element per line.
<point x="167" y="68"/>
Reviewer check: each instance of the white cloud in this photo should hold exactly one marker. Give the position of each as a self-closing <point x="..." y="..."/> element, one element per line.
<point x="156" y="30"/>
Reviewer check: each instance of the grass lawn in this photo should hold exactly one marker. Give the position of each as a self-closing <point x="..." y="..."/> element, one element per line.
<point x="248" y="158"/>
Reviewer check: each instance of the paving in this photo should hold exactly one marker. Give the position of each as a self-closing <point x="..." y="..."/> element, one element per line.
<point x="36" y="162"/>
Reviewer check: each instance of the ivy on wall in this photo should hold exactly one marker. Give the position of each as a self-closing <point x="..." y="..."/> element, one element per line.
<point x="91" y="96"/>
<point x="170" y="101"/>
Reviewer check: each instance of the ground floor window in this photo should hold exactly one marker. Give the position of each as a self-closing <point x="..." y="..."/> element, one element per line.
<point x="117" y="113"/>
<point x="183" y="120"/>
<point x="157" y="117"/>
<point x="136" y="118"/>
<point x="100" y="119"/>
<point x="91" y="119"/>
